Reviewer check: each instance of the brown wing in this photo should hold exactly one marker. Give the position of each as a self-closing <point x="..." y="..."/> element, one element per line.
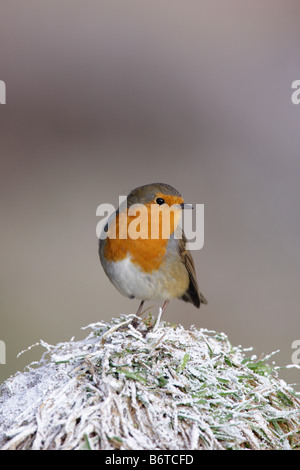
<point x="192" y="294"/>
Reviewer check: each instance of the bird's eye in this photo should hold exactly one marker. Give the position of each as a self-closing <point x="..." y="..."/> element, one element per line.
<point x="160" y="201"/>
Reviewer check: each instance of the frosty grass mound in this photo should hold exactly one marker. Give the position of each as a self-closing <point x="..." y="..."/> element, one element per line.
<point x="143" y="387"/>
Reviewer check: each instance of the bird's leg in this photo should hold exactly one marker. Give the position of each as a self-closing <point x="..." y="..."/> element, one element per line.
<point x="135" y="321"/>
<point x="164" y="307"/>
<point x="161" y="312"/>
<point x="140" y="308"/>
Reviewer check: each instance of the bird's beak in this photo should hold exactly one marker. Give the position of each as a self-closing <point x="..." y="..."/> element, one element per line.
<point x="184" y="205"/>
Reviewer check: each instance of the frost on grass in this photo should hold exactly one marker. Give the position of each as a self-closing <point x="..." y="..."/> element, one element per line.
<point x="126" y="387"/>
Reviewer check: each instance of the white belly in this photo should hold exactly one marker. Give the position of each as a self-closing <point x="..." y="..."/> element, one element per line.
<point x="131" y="281"/>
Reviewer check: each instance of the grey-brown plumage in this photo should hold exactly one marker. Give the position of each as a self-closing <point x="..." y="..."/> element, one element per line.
<point x="192" y="294"/>
<point x="175" y="276"/>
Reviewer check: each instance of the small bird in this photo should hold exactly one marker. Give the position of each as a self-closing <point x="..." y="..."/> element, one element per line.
<point x="149" y="267"/>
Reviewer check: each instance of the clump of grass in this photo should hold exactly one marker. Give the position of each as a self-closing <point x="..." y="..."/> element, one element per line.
<point x="148" y="388"/>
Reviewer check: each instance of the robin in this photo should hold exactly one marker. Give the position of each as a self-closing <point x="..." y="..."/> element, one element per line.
<point x="144" y="266"/>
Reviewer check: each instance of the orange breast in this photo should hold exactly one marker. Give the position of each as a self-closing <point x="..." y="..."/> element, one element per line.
<point x="132" y="234"/>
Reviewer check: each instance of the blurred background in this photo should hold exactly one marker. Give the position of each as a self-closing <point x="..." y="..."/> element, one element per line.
<point x="105" y="96"/>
